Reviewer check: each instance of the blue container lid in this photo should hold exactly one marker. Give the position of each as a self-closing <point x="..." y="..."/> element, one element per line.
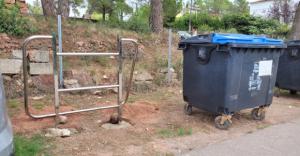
<point x="218" y="38"/>
<point x="244" y="39"/>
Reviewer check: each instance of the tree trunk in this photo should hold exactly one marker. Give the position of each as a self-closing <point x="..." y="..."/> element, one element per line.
<point x="295" y="32"/>
<point x="156" y="19"/>
<point x="103" y="13"/>
<point x="48" y="7"/>
<point x="64" y="8"/>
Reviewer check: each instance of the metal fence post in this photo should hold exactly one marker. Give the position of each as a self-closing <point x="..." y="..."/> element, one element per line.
<point x="59" y="28"/>
<point x="170" y="57"/>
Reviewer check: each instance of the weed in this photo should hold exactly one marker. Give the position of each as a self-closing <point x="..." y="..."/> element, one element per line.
<point x="29" y="146"/>
<point x="13" y="103"/>
<point x="38" y="105"/>
<point x="103" y="61"/>
<point x="159" y="79"/>
<point x="263" y="126"/>
<point x="175" y="132"/>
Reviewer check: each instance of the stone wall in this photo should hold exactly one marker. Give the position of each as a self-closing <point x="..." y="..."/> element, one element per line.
<point x="21" y="3"/>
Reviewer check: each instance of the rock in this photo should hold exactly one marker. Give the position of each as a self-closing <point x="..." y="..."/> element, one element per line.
<point x="113" y="90"/>
<point x="40" y="68"/>
<point x="143" y="86"/>
<point x="42" y="84"/>
<point x="114" y="119"/>
<point x="165" y="70"/>
<point x="39" y="56"/>
<point x="121" y="125"/>
<point x="62" y="119"/>
<point x="98" y="92"/>
<point x="17" y="54"/>
<point x="71" y="83"/>
<point x="56" y="132"/>
<point x="105" y="77"/>
<point x="80" y="43"/>
<point x="10" y="66"/>
<point x="143" y="76"/>
<point x="7" y="78"/>
<point x="38" y="97"/>
<point x="84" y="78"/>
<point x="65" y="133"/>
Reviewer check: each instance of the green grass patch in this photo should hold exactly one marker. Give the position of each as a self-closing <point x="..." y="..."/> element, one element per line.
<point x="177" y="132"/>
<point x="13" y="103"/>
<point x="38" y="105"/>
<point x="32" y="146"/>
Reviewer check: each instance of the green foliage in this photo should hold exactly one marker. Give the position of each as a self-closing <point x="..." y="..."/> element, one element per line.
<point x="28" y="146"/>
<point x="36" y="8"/>
<point x="101" y="6"/>
<point x="233" y="23"/>
<point x="12" y="22"/>
<point x="215" y="7"/>
<point x="170" y="9"/>
<point x="139" y="21"/>
<point x="241" y="7"/>
<point x="201" y="21"/>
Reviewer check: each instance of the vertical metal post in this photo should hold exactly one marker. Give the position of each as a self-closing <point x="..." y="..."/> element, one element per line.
<point x="170" y="57"/>
<point x="59" y="29"/>
<point x="55" y="77"/>
<point x="120" y="79"/>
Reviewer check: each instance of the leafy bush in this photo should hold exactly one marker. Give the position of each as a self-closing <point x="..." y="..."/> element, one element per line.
<point x="233" y="23"/>
<point x="12" y="22"/>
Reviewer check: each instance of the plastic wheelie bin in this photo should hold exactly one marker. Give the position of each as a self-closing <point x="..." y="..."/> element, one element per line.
<point x="288" y="74"/>
<point x="225" y="73"/>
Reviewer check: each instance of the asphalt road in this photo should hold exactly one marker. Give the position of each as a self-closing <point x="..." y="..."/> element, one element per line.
<point x="277" y="140"/>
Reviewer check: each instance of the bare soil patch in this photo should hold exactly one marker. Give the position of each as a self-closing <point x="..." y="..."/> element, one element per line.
<point x="159" y="125"/>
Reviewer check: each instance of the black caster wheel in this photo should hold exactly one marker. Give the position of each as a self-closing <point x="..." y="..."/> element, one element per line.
<point x="222" y="124"/>
<point x="188" y="109"/>
<point x="258" y="114"/>
<point x="293" y="92"/>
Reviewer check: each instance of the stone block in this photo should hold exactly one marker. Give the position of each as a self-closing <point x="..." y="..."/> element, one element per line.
<point x="40" y="68"/>
<point x="17" y="54"/>
<point x="38" y="56"/>
<point x="10" y="66"/>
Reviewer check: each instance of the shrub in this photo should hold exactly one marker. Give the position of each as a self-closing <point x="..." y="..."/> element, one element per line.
<point x="12" y="22"/>
<point x="233" y="23"/>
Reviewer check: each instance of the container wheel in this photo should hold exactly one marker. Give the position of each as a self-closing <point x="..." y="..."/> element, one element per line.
<point x="223" y="122"/>
<point x="293" y="92"/>
<point x="258" y="114"/>
<point x="188" y="109"/>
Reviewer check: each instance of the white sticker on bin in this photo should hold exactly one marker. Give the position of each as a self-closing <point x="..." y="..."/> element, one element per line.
<point x="265" y="68"/>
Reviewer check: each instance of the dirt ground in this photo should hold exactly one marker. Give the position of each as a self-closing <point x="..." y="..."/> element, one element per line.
<point x="159" y="125"/>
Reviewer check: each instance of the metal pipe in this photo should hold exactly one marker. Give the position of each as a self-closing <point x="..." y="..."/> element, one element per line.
<point x="72" y="112"/>
<point x="86" y="54"/>
<point x="25" y="68"/>
<point x="87" y="88"/>
<point x="59" y="29"/>
<point x="120" y="78"/>
<point x="170" y="57"/>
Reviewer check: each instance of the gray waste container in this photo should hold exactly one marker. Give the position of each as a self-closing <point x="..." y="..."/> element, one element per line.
<point x="225" y="73"/>
<point x="288" y="75"/>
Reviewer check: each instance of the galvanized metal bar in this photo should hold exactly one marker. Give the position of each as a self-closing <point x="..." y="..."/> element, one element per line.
<point x="25" y="68"/>
<point x="170" y="56"/>
<point x="86" y="54"/>
<point x="87" y="88"/>
<point x="120" y="78"/>
<point x="72" y="112"/>
<point x="59" y="29"/>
